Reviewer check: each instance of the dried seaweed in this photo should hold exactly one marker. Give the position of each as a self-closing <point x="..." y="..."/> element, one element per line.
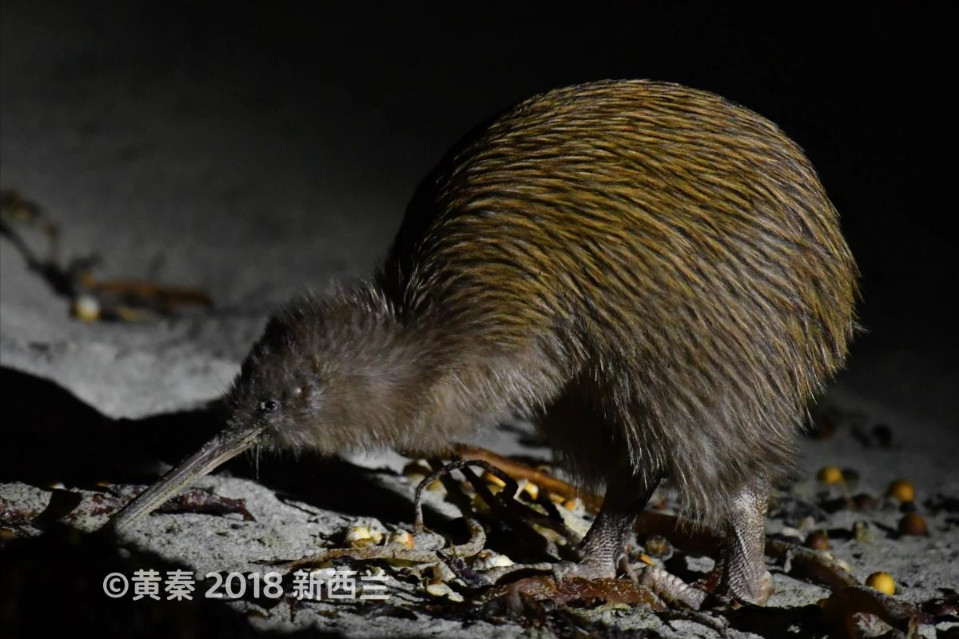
<point x="124" y="300"/>
<point x="849" y="598"/>
<point x="205" y="501"/>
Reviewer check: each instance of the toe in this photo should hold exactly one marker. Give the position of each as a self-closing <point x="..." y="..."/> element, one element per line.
<point x="756" y="592"/>
<point x="671" y="588"/>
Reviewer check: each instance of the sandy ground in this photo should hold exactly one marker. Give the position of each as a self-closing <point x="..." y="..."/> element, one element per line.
<point x="168" y="169"/>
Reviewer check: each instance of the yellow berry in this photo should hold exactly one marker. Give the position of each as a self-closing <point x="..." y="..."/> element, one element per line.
<point x="882" y="581"/>
<point x="830" y="475"/>
<point x="901" y="490"/>
<point x="86" y="308"/>
<point x="912" y="524"/>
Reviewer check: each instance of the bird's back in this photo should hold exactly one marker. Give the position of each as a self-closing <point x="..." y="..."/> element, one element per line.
<point x="678" y="247"/>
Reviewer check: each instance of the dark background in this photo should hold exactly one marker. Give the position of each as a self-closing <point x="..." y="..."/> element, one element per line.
<point x="367" y="98"/>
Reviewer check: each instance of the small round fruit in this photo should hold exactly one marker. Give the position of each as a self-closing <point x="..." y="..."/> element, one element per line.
<point x="86" y="307"/>
<point x="830" y="474"/>
<point x="913" y="524"/>
<point x="883" y="582"/>
<point x="901" y="490"/>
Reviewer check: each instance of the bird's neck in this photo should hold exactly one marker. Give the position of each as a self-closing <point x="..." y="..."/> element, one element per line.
<point x="384" y="369"/>
<point x="419" y="384"/>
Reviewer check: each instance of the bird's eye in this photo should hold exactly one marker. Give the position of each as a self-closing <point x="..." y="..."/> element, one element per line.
<point x="269" y="406"/>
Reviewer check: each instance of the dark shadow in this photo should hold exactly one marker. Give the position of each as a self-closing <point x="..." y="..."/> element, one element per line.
<point x="51" y="436"/>
<point x="802" y="622"/>
<point x="331" y="484"/>
<point x="55" y="581"/>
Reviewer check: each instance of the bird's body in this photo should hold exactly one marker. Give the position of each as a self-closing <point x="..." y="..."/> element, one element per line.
<point x="652" y="273"/>
<point x="664" y="259"/>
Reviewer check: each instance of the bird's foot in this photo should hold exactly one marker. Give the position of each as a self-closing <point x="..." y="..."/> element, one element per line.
<point x="666" y="586"/>
<point x="755" y="590"/>
<point x="669" y="587"/>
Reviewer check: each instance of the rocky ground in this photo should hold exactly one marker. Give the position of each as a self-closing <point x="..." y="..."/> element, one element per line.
<point x="235" y="523"/>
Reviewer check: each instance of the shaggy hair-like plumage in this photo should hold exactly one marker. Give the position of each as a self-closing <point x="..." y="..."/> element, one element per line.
<point x="653" y="273"/>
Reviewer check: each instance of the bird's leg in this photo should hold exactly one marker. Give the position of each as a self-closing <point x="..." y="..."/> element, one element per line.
<point x="745" y="576"/>
<point x="604" y="547"/>
<point x="605" y="544"/>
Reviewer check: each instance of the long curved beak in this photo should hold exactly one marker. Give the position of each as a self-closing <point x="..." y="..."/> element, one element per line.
<point x="223" y="447"/>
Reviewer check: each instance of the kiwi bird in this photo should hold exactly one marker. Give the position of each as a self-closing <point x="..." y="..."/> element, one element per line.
<point x="651" y="273"/>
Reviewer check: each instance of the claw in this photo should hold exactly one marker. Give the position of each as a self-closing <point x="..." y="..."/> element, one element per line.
<point x="759" y="592"/>
<point x="671" y="588"/>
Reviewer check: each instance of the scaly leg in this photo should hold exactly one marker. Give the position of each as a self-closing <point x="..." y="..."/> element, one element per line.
<point x="604" y="545"/>
<point x="603" y="549"/>
<point x="745" y="575"/>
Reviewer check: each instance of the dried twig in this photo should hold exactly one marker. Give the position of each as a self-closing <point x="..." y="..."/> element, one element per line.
<point x="847" y="601"/>
<point x="123" y="299"/>
<point x="443" y="471"/>
<point x="810" y="565"/>
<point x="848" y="598"/>
<point x="519" y="470"/>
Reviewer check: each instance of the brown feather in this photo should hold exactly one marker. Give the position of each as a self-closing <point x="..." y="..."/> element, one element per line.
<point x="653" y="272"/>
